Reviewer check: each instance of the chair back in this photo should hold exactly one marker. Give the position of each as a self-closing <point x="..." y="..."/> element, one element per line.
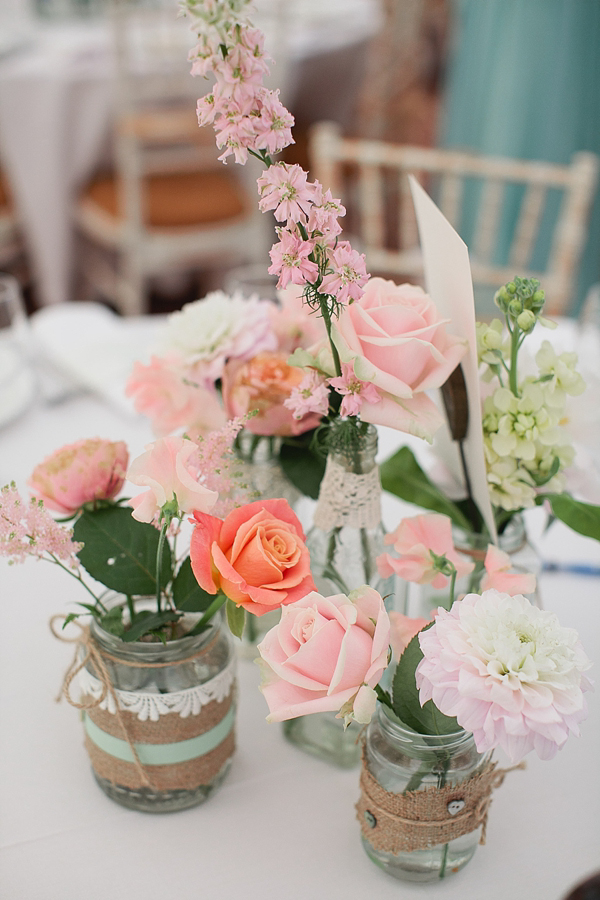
<point x="371" y="178"/>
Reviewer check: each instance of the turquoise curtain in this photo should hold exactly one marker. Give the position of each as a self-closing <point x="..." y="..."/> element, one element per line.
<point x="524" y="81"/>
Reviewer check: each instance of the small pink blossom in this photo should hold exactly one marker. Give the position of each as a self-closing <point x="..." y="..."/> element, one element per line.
<point x="310" y="396"/>
<point x="290" y="260"/>
<point x="348" y="276"/>
<point x="499" y="577"/>
<point x="28" y="529"/>
<point x="413" y="539"/>
<point x="166" y="468"/>
<point x="285" y="189"/>
<point x="324" y="212"/>
<point x="353" y="391"/>
<point x="508" y="671"/>
<point x="217" y="467"/>
<point x="273" y="126"/>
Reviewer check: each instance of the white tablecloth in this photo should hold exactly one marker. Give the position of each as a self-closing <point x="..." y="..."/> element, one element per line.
<point x="55" y="110"/>
<point x="283" y="824"/>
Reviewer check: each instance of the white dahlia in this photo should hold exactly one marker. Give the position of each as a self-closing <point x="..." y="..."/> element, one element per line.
<point x="508" y="671"/>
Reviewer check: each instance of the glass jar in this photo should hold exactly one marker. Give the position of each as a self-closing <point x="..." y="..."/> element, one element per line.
<point x="344" y="543"/>
<point x="176" y="707"/>
<point x="398" y="760"/>
<point x="524" y="558"/>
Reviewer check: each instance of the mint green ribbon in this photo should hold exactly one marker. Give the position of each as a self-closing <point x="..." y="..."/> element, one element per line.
<point x="161" y="754"/>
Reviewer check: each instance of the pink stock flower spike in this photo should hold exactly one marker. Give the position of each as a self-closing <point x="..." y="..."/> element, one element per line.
<point x="290" y="260"/>
<point x="311" y="396"/>
<point x="354" y="391"/>
<point x="348" y="276"/>
<point x="273" y="126"/>
<point x="286" y="190"/>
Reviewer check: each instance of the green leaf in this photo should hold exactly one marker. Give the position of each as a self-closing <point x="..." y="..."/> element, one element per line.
<point x="187" y="593"/>
<point x="402" y="475"/>
<point x="120" y="552"/>
<point x="112" y="621"/>
<point x="147" y="622"/>
<point x="541" y="480"/>
<point x="303" y="468"/>
<point x="425" y="719"/>
<point x="236" y="618"/>
<point x="584" y="518"/>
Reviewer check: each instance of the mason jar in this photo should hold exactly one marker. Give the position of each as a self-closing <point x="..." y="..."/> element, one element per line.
<point x="402" y="770"/>
<point x="159" y="718"/>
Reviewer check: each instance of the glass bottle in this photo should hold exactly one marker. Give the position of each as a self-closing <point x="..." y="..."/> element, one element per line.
<point x="513" y="540"/>
<point x="176" y="705"/>
<point x="344" y="543"/>
<point x="400" y="760"/>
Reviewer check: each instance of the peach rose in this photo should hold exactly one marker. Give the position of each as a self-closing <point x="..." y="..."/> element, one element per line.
<point x="396" y="340"/>
<point x="80" y="473"/>
<point x="166" y="469"/>
<point x="165" y="391"/>
<point x="256" y="556"/>
<point x="326" y="654"/>
<point x="263" y="384"/>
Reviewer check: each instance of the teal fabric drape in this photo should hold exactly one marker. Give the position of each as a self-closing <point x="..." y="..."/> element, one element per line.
<point x="524" y="82"/>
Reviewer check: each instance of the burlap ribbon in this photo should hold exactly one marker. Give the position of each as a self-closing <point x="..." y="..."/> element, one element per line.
<point x="414" y="820"/>
<point x="170" y="729"/>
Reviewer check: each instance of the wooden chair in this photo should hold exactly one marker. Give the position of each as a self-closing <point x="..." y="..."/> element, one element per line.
<point x="366" y="174"/>
<point x="169" y="204"/>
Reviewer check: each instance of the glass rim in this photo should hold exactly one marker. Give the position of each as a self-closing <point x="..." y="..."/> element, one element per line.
<point x="408" y="735"/>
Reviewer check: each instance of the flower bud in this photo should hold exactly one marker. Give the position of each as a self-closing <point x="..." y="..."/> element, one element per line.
<point x="515" y="307"/>
<point x="526" y="320"/>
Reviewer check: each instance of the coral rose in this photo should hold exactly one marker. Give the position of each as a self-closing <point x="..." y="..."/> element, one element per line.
<point x="166" y="392"/>
<point x="326" y="654"/>
<point x="264" y="384"/>
<point x="396" y="340"/>
<point x="80" y="473"/>
<point x="168" y="470"/>
<point x="256" y="556"/>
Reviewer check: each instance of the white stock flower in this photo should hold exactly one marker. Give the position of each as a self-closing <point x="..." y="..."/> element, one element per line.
<point x="565" y="380"/>
<point x="490" y="339"/>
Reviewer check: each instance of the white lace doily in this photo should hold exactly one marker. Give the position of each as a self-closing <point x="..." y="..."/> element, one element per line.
<point x="348" y="499"/>
<point x="147" y="705"/>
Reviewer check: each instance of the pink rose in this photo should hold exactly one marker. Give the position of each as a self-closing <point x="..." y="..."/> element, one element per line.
<point x="80" y="473"/>
<point x="166" y="392"/>
<point x="264" y="384"/>
<point x="256" y="556"/>
<point x="499" y="577"/>
<point x="396" y="340"/>
<point x="403" y="630"/>
<point x="413" y="540"/>
<point x="167" y="470"/>
<point x="326" y="654"/>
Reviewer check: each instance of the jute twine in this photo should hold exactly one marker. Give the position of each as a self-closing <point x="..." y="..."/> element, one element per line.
<point x="414" y="820"/>
<point x="169" y="729"/>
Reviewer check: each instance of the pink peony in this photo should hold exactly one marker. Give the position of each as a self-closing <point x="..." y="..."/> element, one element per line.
<point x="165" y="391"/>
<point x="499" y="577"/>
<point x="326" y="654"/>
<point x="264" y="384"/>
<point x="167" y="469"/>
<point x="397" y="341"/>
<point x="413" y="539"/>
<point x="256" y="556"/>
<point x="508" y="671"/>
<point x="403" y="630"/>
<point x="80" y="473"/>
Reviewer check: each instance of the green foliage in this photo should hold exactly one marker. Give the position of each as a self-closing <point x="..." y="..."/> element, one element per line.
<point x="236" y="618"/>
<point x="584" y="518"/>
<point x="147" y="622"/>
<point x="188" y="596"/>
<point x="112" y="621"/>
<point x="402" y="475"/>
<point x="120" y="552"/>
<point x="302" y="465"/>
<point x="425" y="719"/>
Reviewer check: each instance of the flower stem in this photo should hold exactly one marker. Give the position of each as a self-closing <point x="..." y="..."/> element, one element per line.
<point x="383" y="697"/>
<point x="452" y="588"/>
<point x="55" y="559"/>
<point x="514" y="349"/>
<point x="210" y="611"/>
<point x="159" y="553"/>
<point x="327" y="319"/>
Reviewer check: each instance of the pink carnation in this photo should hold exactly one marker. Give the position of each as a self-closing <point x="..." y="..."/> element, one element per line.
<point x="508" y="671"/>
<point x="413" y="540"/>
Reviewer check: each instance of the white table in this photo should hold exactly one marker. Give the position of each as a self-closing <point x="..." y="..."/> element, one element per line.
<point x="56" y="102"/>
<point x="283" y="823"/>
